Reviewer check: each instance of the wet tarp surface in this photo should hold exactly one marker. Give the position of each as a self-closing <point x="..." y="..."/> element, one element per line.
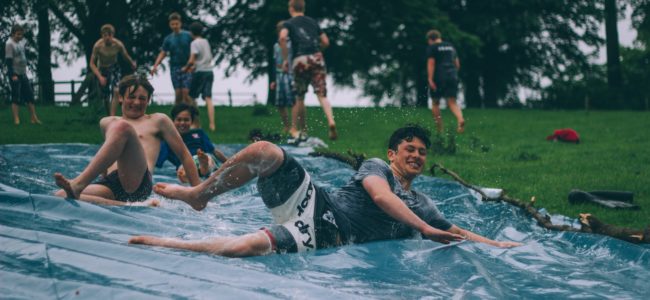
<point x="53" y="248"/>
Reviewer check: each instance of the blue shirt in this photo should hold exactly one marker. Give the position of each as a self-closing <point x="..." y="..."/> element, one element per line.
<point x="194" y="140"/>
<point x="177" y="45"/>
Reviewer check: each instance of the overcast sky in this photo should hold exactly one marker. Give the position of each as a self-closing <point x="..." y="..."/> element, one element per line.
<point x="339" y="97"/>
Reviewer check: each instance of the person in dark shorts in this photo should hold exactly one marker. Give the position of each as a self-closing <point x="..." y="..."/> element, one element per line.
<point x="129" y="152"/>
<point x="177" y="46"/>
<point x="282" y="85"/>
<point x="376" y="204"/>
<point x="206" y="156"/>
<point x="105" y="66"/>
<point x="16" y="62"/>
<point x="200" y="62"/>
<point x="442" y="74"/>
<point x="308" y="65"/>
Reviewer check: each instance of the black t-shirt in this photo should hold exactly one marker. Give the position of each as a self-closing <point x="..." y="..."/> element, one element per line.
<point x="444" y="55"/>
<point x="304" y="33"/>
<point x="360" y="220"/>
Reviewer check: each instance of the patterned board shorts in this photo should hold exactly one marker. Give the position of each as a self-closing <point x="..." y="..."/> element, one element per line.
<point x="180" y="79"/>
<point x="309" y="69"/>
<point x="283" y="90"/>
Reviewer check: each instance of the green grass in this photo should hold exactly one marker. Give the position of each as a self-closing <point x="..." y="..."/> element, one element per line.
<point x="501" y="148"/>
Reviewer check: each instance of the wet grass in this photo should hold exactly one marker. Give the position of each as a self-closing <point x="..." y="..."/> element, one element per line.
<point x="500" y="148"/>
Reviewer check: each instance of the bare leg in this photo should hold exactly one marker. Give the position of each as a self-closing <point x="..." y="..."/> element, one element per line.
<point x="451" y="102"/>
<point x="121" y="145"/>
<point x="298" y="114"/>
<point x="32" y="112"/>
<point x="14" y="112"/>
<point x="327" y="109"/>
<point x="178" y="96"/>
<point x="286" y="127"/>
<point x="259" y="159"/>
<point x="185" y="97"/>
<point x="251" y="244"/>
<point x="208" y="104"/>
<point x="114" y="102"/>
<point x="435" y="109"/>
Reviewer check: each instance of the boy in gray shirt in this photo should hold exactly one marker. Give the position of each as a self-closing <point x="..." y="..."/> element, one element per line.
<point x="21" y="88"/>
<point x="200" y="62"/>
<point x="376" y="204"/>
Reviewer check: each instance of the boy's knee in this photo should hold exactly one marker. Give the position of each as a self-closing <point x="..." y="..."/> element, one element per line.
<point x="120" y="126"/>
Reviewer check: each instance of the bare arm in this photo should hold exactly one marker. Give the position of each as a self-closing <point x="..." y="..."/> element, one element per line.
<point x="190" y="63"/>
<point x="93" y="64"/>
<point x="481" y="239"/>
<point x="324" y="41"/>
<point x="381" y="194"/>
<point x="431" y="67"/>
<point x="159" y="59"/>
<point x="173" y="139"/>
<point x="126" y="55"/>
<point x="457" y="63"/>
<point x="282" y="40"/>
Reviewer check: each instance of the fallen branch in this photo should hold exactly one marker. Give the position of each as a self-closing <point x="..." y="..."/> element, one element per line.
<point x="588" y="222"/>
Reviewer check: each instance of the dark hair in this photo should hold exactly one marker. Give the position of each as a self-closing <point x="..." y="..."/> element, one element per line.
<point x="297" y="5"/>
<point x="16" y="28"/>
<point x="408" y="132"/>
<point x="174" y="16"/>
<point x="196" y="28"/>
<point x="135" y="81"/>
<point x="433" y="34"/>
<point x="181" y="107"/>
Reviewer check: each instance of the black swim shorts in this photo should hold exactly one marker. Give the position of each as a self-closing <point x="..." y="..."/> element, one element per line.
<point x="112" y="181"/>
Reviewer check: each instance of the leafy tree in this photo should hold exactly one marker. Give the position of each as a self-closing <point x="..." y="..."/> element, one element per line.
<point x="522" y="41"/>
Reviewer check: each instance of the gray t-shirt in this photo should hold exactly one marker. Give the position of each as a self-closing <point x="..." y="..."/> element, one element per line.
<point x="360" y="220"/>
<point x="203" y="61"/>
<point x="16" y="52"/>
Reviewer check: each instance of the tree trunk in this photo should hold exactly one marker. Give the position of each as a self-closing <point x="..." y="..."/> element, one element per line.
<point x="44" y="66"/>
<point x="472" y="89"/>
<point x="614" y="77"/>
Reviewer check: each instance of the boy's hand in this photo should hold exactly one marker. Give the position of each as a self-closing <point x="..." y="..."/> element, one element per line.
<point x="432" y="85"/>
<point x="285" y="66"/>
<point x="14" y="77"/>
<point x="102" y="80"/>
<point x="272" y="86"/>
<point x="154" y="70"/>
<point x="180" y="173"/>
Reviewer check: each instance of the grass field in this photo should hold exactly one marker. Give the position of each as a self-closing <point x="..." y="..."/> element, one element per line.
<point x="501" y="148"/>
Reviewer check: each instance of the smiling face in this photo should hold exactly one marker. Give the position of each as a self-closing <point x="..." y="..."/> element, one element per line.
<point x="183" y="121"/>
<point x="134" y="102"/>
<point x="409" y="159"/>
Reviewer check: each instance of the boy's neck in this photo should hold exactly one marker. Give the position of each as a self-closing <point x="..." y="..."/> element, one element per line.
<point x="297" y="14"/>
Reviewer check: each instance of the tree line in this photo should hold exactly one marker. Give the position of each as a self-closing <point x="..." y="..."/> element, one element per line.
<point x="378" y="46"/>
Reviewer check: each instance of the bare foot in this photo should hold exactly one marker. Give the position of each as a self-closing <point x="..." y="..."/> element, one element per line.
<point x="332" y="132"/>
<point x="461" y="126"/>
<point x="294" y="133"/>
<point x="213" y="127"/>
<point x="149" y="202"/>
<point x="16" y="122"/>
<point x="204" y="163"/>
<point x="183" y="193"/>
<point x="145" y="240"/>
<point x="36" y="121"/>
<point x="67" y="186"/>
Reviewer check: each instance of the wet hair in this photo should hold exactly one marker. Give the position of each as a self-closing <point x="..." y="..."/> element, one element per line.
<point x="196" y="28"/>
<point x="107" y="29"/>
<point x="181" y="107"/>
<point x="17" y="28"/>
<point x="407" y="133"/>
<point x="135" y="81"/>
<point x="297" y="5"/>
<point x="433" y="34"/>
<point x="174" y="16"/>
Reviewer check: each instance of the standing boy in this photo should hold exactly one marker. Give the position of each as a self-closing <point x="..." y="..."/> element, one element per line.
<point x="129" y="153"/>
<point x="282" y="84"/>
<point x="308" y="64"/>
<point x="16" y="61"/>
<point x="177" y="46"/>
<point x="442" y="71"/>
<point x="200" y="62"/>
<point x="103" y="63"/>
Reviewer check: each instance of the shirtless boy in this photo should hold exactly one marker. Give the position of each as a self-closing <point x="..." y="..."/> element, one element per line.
<point x="129" y="152"/>
<point x="103" y="63"/>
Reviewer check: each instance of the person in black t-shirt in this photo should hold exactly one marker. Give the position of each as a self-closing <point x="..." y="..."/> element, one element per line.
<point x="442" y="71"/>
<point x="378" y="203"/>
<point x="308" y="65"/>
